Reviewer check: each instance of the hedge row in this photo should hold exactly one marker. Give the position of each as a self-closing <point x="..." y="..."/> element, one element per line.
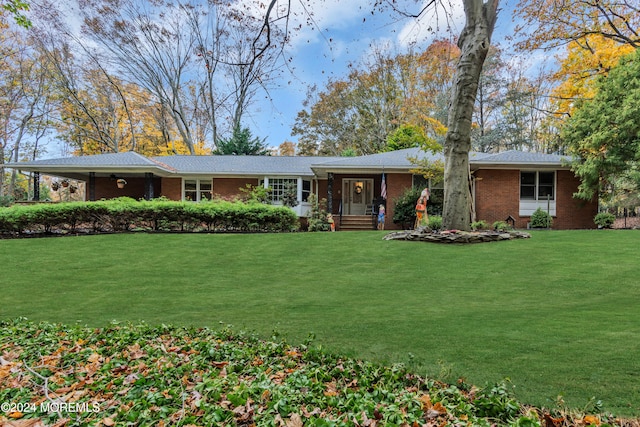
<point x="125" y="214"/>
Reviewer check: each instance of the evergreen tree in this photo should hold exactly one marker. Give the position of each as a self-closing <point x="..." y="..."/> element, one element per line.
<point x="241" y="143"/>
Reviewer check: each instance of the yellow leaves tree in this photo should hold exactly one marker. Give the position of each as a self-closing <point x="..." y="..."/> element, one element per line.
<point x="590" y="37"/>
<point x="107" y="115"/>
<point x="553" y="23"/>
<point x="585" y="61"/>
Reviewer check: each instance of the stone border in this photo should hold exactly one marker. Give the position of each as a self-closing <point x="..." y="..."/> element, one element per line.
<point x="456" y="236"/>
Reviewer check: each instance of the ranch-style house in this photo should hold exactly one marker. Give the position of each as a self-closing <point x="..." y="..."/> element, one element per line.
<point x="509" y="185"/>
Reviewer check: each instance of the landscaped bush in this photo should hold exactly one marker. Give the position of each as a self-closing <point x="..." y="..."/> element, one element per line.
<point x="435" y="222"/>
<point x="5" y="201"/>
<point x="604" y="219"/>
<point x="501" y="226"/>
<point x="479" y="225"/>
<point x="126" y="214"/>
<point x="540" y="219"/>
<point x="318" y="217"/>
<point x="404" y="212"/>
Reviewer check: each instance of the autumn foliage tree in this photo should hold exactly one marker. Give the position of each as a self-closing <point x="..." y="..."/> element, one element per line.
<point x="588" y="37"/>
<point x="604" y="132"/>
<point x="361" y="112"/>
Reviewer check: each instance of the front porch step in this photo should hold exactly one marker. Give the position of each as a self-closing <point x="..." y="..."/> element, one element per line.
<point x="356" y="222"/>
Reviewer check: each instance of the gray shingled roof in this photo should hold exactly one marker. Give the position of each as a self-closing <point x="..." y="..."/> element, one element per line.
<point x="391" y="159"/>
<point x="274" y="165"/>
<point x="400" y="159"/>
<point x="128" y="158"/>
<point x="520" y="158"/>
<point x="243" y="165"/>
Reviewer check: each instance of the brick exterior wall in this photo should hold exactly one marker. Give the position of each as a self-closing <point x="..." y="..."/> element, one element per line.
<point x="572" y="212"/>
<point x="106" y="188"/>
<point x="498" y="197"/>
<point x="397" y="183"/>
<point x="230" y="187"/>
<point x="172" y="188"/>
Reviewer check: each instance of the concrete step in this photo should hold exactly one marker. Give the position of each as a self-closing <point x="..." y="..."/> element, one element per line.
<point x="356" y="222"/>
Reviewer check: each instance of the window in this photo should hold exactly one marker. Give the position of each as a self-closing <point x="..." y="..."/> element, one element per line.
<point x="306" y="190"/>
<point x="197" y="189"/>
<point x="279" y="186"/>
<point x="420" y="182"/>
<point x="537" y="185"/>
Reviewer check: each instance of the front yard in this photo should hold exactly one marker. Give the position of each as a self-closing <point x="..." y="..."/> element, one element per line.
<point x="555" y="314"/>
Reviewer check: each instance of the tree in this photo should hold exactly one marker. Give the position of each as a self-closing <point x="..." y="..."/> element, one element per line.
<point x="554" y="23"/>
<point x="377" y="97"/>
<point x="16" y="8"/>
<point x="486" y="131"/>
<point x="604" y="132"/>
<point x="585" y="60"/>
<point x="241" y="143"/>
<point x="25" y="101"/>
<point x="474" y="43"/>
<point x="287" y="148"/>
<point x="406" y="136"/>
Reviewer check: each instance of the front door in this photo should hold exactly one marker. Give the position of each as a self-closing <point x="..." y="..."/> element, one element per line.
<point x="356" y="195"/>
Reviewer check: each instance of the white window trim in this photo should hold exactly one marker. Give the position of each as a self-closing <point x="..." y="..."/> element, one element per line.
<point x="529" y="206"/>
<point x="198" y="180"/>
<point x="302" y="208"/>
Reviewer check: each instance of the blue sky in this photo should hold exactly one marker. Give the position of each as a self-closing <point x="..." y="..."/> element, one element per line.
<point x="346" y="32"/>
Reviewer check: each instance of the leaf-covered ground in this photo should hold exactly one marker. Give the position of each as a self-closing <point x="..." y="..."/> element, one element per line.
<point x="57" y="375"/>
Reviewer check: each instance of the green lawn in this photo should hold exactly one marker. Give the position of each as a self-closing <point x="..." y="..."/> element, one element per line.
<point x="557" y="314"/>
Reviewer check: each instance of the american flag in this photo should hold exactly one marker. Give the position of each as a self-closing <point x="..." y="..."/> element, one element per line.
<point x="383" y="188"/>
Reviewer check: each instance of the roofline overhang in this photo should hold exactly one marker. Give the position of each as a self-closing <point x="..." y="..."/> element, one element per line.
<point x="519" y="166"/>
<point x="84" y="171"/>
<point x="322" y="171"/>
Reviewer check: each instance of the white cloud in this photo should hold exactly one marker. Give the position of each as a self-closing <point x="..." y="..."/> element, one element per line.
<point x="443" y="20"/>
<point x="310" y="21"/>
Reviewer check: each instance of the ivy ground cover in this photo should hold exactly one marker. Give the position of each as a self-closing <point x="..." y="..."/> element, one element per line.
<point x="556" y="314"/>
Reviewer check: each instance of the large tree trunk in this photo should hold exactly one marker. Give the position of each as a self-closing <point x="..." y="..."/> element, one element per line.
<point x="474" y="44"/>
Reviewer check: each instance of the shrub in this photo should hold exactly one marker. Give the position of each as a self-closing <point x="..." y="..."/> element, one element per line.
<point x="5" y="201"/>
<point x="604" y="219"/>
<point x="479" y="225"/>
<point x="435" y="222"/>
<point x="404" y="212"/>
<point x="541" y="219"/>
<point x="125" y="214"/>
<point x="318" y="216"/>
<point x="501" y="226"/>
<point x="252" y="193"/>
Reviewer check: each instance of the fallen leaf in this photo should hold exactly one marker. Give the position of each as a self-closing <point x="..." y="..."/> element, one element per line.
<point x="330" y="389"/>
<point x="426" y="402"/>
<point x="294" y="421"/>
<point x="34" y="422"/>
<point x="219" y="364"/>
<point x="591" y="420"/>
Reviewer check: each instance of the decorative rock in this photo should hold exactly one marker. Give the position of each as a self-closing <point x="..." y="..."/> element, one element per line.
<point x="455" y="236"/>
